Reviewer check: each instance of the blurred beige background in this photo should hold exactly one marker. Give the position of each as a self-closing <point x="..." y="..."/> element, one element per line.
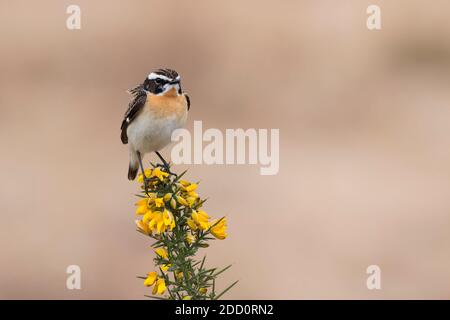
<point x="364" y="121"/>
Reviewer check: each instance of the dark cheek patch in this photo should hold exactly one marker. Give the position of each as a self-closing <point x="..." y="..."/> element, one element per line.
<point x="152" y="87"/>
<point x="159" y="89"/>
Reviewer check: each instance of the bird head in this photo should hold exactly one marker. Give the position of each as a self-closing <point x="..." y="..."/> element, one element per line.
<point x="161" y="81"/>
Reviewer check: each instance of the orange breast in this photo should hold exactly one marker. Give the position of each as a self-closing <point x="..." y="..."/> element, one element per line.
<point x="167" y="105"/>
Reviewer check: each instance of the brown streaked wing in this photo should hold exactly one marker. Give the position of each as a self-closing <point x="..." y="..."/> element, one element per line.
<point x="188" y="100"/>
<point x="133" y="109"/>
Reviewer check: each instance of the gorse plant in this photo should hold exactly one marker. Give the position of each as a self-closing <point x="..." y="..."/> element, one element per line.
<point x="171" y="213"/>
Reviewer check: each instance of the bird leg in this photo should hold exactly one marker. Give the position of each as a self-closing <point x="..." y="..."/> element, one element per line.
<point x="165" y="164"/>
<point x="146" y="181"/>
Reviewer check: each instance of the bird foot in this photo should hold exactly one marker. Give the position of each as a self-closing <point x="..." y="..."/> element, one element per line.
<point x="166" y="168"/>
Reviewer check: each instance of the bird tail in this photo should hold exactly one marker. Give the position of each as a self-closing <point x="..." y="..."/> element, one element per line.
<point x="133" y="166"/>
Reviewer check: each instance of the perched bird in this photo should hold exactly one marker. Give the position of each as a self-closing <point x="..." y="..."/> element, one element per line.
<point x="158" y="107"/>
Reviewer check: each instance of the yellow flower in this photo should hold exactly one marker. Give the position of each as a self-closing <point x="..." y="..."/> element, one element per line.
<point x="159" y="174"/>
<point x="160" y="226"/>
<point x="202" y="290"/>
<point x="168" y="219"/>
<point x="148" y="216"/>
<point x="191" y="187"/>
<point x="179" y="275"/>
<point x="162" y="253"/>
<point x="191" y="201"/>
<point x="184" y="183"/>
<point x="187" y="298"/>
<point x="201" y="218"/>
<point x="155" y="219"/>
<point x="159" y="287"/>
<point x="148" y="174"/>
<point x="151" y="278"/>
<point x="192" y="224"/>
<point x="142" y="206"/>
<point x="159" y="202"/>
<point x="142" y="226"/>
<point x="219" y="230"/>
<point x="193" y="194"/>
<point x="166" y="267"/>
<point x="157" y="222"/>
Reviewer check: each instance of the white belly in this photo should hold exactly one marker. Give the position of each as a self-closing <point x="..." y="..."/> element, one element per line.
<point x="147" y="133"/>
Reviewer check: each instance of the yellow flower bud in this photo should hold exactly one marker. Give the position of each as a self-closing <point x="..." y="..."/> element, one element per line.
<point x="190" y="238"/>
<point x="173" y="203"/>
<point x="182" y="201"/>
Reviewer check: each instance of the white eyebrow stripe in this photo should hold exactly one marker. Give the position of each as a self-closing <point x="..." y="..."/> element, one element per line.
<point x="153" y="76"/>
